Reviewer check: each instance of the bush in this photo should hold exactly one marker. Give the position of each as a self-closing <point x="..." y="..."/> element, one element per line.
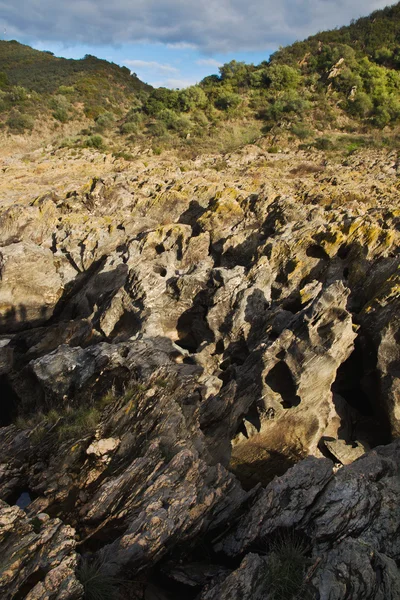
<point x="191" y="98"/>
<point x="95" y="141"/>
<point x="66" y="89"/>
<point x="324" y="143"/>
<point x="158" y="129"/>
<point x="3" y="80"/>
<point x="227" y="100"/>
<point x="19" y="122"/>
<point x="282" y="77"/>
<point x="105" y="121"/>
<point x="382" y="117"/>
<point x="301" y="131"/>
<point x="286" y="570"/>
<point x="97" y="583"/>
<point x="362" y="105"/>
<point x="61" y="115"/>
<point x="160" y="98"/>
<point x="17" y="94"/>
<point x="78" y="422"/>
<point x="129" y="128"/>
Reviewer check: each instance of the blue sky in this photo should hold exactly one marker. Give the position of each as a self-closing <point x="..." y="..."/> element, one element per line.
<point x="168" y="65"/>
<point x="173" y="43"/>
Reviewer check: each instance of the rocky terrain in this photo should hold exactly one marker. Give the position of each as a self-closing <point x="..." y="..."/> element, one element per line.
<point x="199" y="375"/>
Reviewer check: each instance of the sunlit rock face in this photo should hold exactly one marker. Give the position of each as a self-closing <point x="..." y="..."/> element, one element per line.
<point x="173" y="337"/>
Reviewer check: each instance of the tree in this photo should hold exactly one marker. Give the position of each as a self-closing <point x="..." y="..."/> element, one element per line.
<point x="191" y="98"/>
<point x="282" y="77"/>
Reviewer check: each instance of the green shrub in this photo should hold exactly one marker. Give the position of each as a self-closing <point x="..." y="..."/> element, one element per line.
<point x="79" y="422"/>
<point x="191" y="98"/>
<point x="282" y="77"/>
<point x="324" y="143"/>
<point x="382" y="117"/>
<point x="301" y="131"/>
<point x="227" y="100"/>
<point x="70" y="142"/>
<point x="4" y="82"/>
<point x="18" y="122"/>
<point x="105" y="121"/>
<point x="160" y="98"/>
<point x="362" y="105"/>
<point x="134" y="116"/>
<point x="97" y="583"/>
<point x="287" y="566"/>
<point x="66" y="89"/>
<point x="158" y="129"/>
<point x="61" y="115"/>
<point x="174" y="122"/>
<point x="17" y="94"/>
<point x="95" y="141"/>
<point x="129" y="128"/>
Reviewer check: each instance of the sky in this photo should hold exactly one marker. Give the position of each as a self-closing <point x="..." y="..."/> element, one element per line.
<point x="173" y="43"/>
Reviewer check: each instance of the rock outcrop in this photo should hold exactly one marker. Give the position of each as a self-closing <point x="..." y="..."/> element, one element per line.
<point x="173" y="337"/>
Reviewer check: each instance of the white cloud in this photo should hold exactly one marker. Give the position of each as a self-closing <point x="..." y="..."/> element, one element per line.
<point x="174" y="83"/>
<point x="209" y="62"/>
<point x="182" y="46"/>
<point x="150" y="65"/>
<point x="212" y="26"/>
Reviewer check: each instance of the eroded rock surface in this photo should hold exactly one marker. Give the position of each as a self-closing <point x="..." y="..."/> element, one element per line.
<point x="173" y="336"/>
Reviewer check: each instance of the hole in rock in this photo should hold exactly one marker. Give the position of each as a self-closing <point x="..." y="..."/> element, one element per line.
<point x="227" y="375"/>
<point x="293" y="305"/>
<point x="280" y="380"/>
<point x="191" y="215"/>
<point x="316" y="251"/>
<point x="343" y="251"/>
<point x="9" y="402"/>
<point x="21" y="496"/>
<point x="219" y="347"/>
<point x="193" y="329"/>
<point x="24" y="500"/>
<point x="237" y="352"/>
<point x="28" y="585"/>
<point x="275" y="293"/>
<point x="160" y="270"/>
<point x="255" y="462"/>
<point x="356" y="384"/>
<point x="128" y="325"/>
<point x="253" y="416"/>
<point x="160" y="248"/>
<point x="348" y="382"/>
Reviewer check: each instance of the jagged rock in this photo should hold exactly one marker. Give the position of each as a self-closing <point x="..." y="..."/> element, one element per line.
<point x="355" y="566"/>
<point x="283" y="503"/>
<point x="345" y="453"/>
<point x="6" y="356"/>
<point x="351" y="519"/>
<point x="204" y="318"/>
<point x="30" y="286"/>
<point x="248" y="581"/>
<point x="38" y="558"/>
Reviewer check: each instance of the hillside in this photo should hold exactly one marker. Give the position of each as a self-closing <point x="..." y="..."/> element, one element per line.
<point x="376" y="36"/>
<point x="42" y="72"/>
<point x="34" y="83"/>
<point x="346" y="80"/>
